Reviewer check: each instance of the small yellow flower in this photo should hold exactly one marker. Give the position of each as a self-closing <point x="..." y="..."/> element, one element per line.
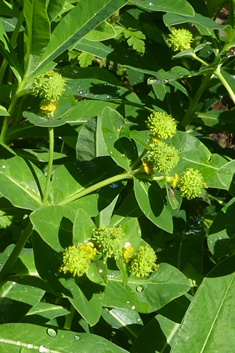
<point x="47" y="106"/>
<point x="191" y="183"/>
<point x="128" y="252"/>
<point x="180" y="39"/>
<point x="147" y="167"/>
<point x="88" y="250"/>
<point x="173" y="180"/>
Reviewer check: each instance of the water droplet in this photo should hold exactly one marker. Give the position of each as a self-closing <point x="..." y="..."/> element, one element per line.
<point x="77" y="338"/>
<point x="62" y="336"/>
<point x="114" y="185"/>
<point x="75" y="71"/>
<point x="138" y="320"/>
<point x="42" y="349"/>
<point x="139" y="289"/>
<point x="3" y="167"/>
<point x="81" y="92"/>
<point x="133" y="307"/>
<point x="123" y="155"/>
<point x="128" y="302"/>
<point x="150" y="4"/>
<point x="108" y="97"/>
<point x="51" y="332"/>
<point x="100" y="270"/>
<point x="104" y="262"/>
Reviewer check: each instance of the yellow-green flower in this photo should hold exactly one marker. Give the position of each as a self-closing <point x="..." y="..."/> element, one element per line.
<point x="191" y="183"/>
<point x="88" y="250"/>
<point x="143" y="262"/>
<point x="74" y="262"/>
<point x="161" y="125"/>
<point x="49" y="86"/>
<point x="163" y="157"/>
<point x="180" y="39"/>
<point x="173" y="180"/>
<point x="109" y="241"/>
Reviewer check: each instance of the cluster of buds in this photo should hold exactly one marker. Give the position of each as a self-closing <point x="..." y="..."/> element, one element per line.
<point x="49" y="87"/>
<point x="110" y="242"/>
<point x="76" y="259"/>
<point x="180" y="39"/>
<point x="161" y="157"/>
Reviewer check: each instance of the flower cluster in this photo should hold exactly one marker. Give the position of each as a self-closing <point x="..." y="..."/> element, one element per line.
<point x="109" y="241"/>
<point x="143" y="262"/>
<point x="180" y="39"/>
<point x="191" y="183"/>
<point x="161" y="125"/>
<point x="49" y="87"/>
<point x="163" y="157"/>
<point x="76" y="259"/>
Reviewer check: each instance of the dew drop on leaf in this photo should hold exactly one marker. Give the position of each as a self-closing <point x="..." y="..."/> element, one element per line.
<point x="133" y="307"/>
<point x="139" y="289"/>
<point x="77" y="338"/>
<point x="51" y="332"/>
<point x="100" y="270"/>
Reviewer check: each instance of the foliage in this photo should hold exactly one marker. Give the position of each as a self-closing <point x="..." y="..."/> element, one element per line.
<point x="116" y="202"/>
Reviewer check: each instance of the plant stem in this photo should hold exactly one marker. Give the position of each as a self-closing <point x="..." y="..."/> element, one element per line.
<point x="90" y="189"/>
<point x="136" y="163"/>
<point x="69" y="318"/>
<point x="225" y="83"/>
<point x="15" y="253"/>
<point x="50" y="164"/>
<point x="7" y="119"/>
<point x="188" y="115"/>
<point x="195" y="57"/>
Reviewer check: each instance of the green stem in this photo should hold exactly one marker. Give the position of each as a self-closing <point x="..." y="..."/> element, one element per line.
<point x="69" y="318"/>
<point x="13" y="42"/>
<point x="188" y="115"/>
<point x="194" y="56"/>
<point x="137" y="162"/>
<point x="90" y="189"/>
<point x="7" y="119"/>
<point x="15" y="253"/>
<point x="225" y="83"/>
<point x="50" y="164"/>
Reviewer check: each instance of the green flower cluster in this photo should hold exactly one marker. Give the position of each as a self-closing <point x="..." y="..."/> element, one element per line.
<point x="76" y="259"/>
<point x="191" y="183"/>
<point x="109" y="241"/>
<point x="161" y="125"/>
<point x="163" y="157"/>
<point x="180" y="39"/>
<point x="143" y="262"/>
<point x="49" y="86"/>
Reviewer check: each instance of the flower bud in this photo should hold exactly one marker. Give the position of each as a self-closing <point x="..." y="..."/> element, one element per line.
<point x="180" y="39"/>
<point x="163" y="157"/>
<point x="191" y="183"/>
<point x="143" y="262"/>
<point x="161" y="125"/>
<point x="109" y="241"/>
<point x="74" y="262"/>
<point x="49" y="86"/>
<point x="128" y="252"/>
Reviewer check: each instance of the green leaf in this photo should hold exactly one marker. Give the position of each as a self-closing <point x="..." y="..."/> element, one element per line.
<point x="103" y="31"/>
<point x="85" y="59"/>
<point x="221" y="238"/>
<point x="84" y="17"/>
<point x="90" y="143"/>
<point x="82" y="228"/>
<point x="15" y="337"/>
<point x="157" y="336"/>
<point x="54" y="225"/>
<point x="21" y="182"/>
<point x="152" y="201"/>
<point x="42" y="121"/>
<point x="3" y="111"/>
<point x="8" y="53"/>
<point x="146" y="294"/>
<point x="181" y="7"/>
<point x="37" y="32"/>
<point x="135" y="39"/>
<point x="214" y="303"/>
<point x="54" y="8"/>
<point x="122" y="150"/>
<point x="44" y="312"/>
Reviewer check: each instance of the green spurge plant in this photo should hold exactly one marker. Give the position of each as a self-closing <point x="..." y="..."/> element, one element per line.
<point x="116" y="201"/>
